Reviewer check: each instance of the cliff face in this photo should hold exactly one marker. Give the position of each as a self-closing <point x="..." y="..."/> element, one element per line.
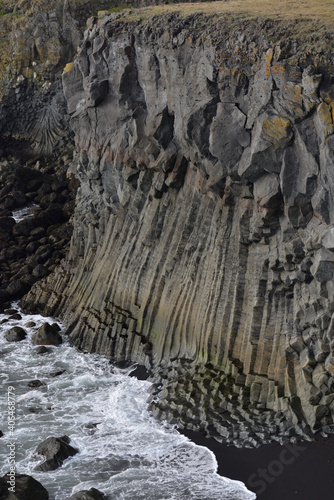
<point x="37" y="39"/>
<point x="203" y="240"/>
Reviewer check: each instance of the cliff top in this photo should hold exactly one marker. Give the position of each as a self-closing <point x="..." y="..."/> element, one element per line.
<point x="310" y="23"/>
<point x="312" y="10"/>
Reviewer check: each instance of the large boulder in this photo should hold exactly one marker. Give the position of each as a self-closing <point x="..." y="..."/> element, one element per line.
<point x="92" y="494"/>
<point x="16" y="289"/>
<point x="15" y="334"/>
<point x="55" y="450"/>
<point x="46" y="335"/>
<point x="6" y="224"/>
<point x="26" y="488"/>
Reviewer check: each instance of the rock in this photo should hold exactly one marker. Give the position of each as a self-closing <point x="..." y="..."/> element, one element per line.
<point x="56" y="327"/>
<point x="24" y="227"/>
<point x="11" y="311"/>
<point x="96" y="93"/>
<point x="228" y="137"/>
<point x="55" y="451"/>
<point x="30" y="324"/>
<point x="1" y="434"/>
<point x="32" y="247"/>
<point x="35" y="383"/>
<point x="189" y="219"/>
<point x="271" y="135"/>
<point x="15" y="316"/>
<point x="6" y="224"/>
<point x="46" y="335"/>
<point x="40" y="271"/>
<point x="26" y="488"/>
<point x="42" y="350"/>
<point x="16" y="289"/>
<point x="15" y="334"/>
<point x="328" y="239"/>
<point x="92" y="494"/>
<point x="323" y="265"/>
<point x="38" y="232"/>
<point x="19" y="198"/>
<point x="267" y="191"/>
<point x="57" y="373"/>
<point x="35" y="409"/>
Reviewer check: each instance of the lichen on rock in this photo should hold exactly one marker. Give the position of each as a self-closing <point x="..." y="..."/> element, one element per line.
<point x="202" y="242"/>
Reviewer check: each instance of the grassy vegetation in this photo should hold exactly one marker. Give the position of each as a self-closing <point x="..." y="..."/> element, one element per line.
<point x="312" y="10"/>
<point x="120" y="8"/>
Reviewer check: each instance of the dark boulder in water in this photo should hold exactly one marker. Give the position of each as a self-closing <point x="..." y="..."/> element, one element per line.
<point x="46" y="335"/>
<point x="57" y="373"/>
<point x="15" y="316"/>
<point x="55" y="450"/>
<point x="92" y="494"/>
<point x="26" y="488"/>
<point x="10" y="311"/>
<point x="35" y="383"/>
<point x="15" y="334"/>
<point x="42" y="350"/>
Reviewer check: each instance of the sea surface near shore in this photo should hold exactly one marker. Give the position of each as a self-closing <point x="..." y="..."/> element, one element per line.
<point x="123" y="451"/>
<point x="301" y="471"/>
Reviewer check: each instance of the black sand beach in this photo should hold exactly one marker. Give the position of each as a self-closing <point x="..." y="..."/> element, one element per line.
<point x="303" y="471"/>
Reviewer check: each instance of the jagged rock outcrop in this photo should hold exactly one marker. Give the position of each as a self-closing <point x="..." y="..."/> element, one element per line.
<point x="203" y="235"/>
<point x="38" y="38"/>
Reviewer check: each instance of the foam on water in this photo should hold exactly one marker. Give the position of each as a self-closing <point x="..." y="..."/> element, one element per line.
<point x="24" y="213"/>
<point x="123" y="451"/>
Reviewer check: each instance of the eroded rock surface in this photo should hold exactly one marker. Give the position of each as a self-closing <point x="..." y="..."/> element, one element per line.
<point x="26" y="488"/>
<point x="46" y="335"/>
<point x="202" y="242"/>
<point x="92" y="494"/>
<point x="55" y="451"/>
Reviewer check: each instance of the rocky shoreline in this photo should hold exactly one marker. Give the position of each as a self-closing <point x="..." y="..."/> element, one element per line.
<point x="208" y="261"/>
<point x="31" y="248"/>
<point x="201" y="243"/>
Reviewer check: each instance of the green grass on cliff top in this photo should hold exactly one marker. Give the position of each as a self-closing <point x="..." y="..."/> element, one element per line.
<point x="312" y="10"/>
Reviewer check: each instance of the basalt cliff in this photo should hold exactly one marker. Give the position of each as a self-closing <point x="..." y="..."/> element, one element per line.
<point x="203" y="241"/>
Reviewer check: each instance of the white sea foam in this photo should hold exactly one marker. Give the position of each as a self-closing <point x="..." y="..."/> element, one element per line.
<point x="124" y="452"/>
<point x="23" y="213"/>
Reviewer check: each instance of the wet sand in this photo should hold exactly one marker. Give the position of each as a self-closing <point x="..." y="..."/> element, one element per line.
<point x="303" y="471"/>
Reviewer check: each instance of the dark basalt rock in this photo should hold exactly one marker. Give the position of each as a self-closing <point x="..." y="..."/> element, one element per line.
<point x="16" y="289"/>
<point x="57" y="373"/>
<point x="10" y="311"/>
<point x="40" y="271"/>
<point x="92" y="494"/>
<point x="26" y="488"/>
<point x="55" y="450"/>
<point x="35" y="383"/>
<point x="6" y="224"/>
<point x="46" y="335"/>
<point x="15" y="334"/>
<point x="42" y="350"/>
<point x="15" y="316"/>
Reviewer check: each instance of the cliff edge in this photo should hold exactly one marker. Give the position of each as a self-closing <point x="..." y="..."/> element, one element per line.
<point x="203" y="242"/>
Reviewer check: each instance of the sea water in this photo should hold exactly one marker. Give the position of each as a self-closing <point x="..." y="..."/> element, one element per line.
<point x="123" y="451"/>
<point x="21" y="214"/>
